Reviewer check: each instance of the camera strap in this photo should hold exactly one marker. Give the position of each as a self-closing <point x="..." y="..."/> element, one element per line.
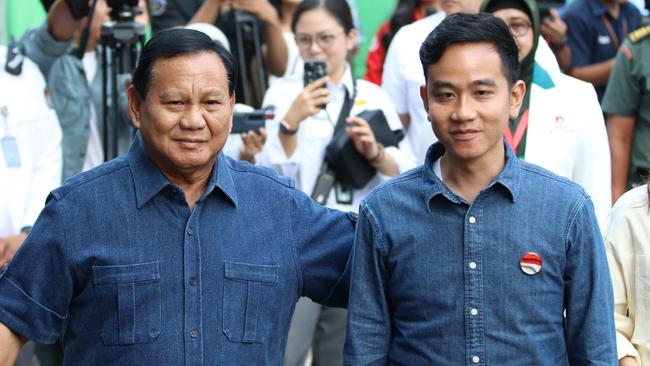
<point x="86" y="31"/>
<point x="327" y="179"/>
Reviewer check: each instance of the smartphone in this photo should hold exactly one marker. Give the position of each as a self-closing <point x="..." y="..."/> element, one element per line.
<point x="314" y="70"/>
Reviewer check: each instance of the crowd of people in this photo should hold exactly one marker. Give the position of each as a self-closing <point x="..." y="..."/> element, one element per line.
<point x="480" y="196"/>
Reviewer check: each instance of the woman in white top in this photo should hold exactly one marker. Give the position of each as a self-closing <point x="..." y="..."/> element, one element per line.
<point x="296" y="144"/>
<point x="628" y="251"/>
<point x="298" y="136"/>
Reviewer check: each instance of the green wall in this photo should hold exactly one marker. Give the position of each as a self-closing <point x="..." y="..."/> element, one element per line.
<point x="372" y="13"/>
<point x="21" y="15"/>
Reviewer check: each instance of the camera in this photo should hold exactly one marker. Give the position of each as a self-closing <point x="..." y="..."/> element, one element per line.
<point x="250" y="121"/>
<point x="123" y="10"/>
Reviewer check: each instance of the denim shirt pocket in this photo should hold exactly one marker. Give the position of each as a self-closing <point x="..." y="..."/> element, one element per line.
<point x="245" y="291"/>
<point x="129" y="302"/>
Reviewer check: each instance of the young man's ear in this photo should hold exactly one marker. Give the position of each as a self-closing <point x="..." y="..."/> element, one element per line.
<point x="134" y="105"/>
<point x="517" y="94"/>
<point x="425" y="99"/>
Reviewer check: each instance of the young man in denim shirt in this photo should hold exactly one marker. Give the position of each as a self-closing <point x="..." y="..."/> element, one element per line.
<point x="477" y="258"/>
<point x="190" y="258"/>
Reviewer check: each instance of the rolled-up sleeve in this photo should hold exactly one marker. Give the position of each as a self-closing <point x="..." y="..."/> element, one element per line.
<point x="37" y="286"/>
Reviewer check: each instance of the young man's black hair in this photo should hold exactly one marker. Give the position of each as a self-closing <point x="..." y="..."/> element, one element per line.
<point x="177" y="42"/>
<point x="472" y="28"/>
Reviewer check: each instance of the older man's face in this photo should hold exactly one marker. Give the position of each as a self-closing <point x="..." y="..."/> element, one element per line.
<point x="187" y="114"/>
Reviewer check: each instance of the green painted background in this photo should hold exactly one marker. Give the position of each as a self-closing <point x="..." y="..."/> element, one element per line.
<point x="23" y="14"/>
<point x="372" y="13"/>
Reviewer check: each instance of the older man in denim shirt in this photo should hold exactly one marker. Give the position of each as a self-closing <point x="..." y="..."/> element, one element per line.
<point x="174" y="254"/>
<point x="477" y="258"/>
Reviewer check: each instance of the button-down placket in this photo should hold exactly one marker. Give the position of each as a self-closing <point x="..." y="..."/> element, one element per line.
<point x="473" y="277"/>
<point x="192" y="289"/>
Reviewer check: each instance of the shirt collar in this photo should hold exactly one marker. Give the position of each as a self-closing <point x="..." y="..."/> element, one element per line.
<point x="433" y="186"/>
<point x="346" y="81"/>
<point x="148" y="180"/>
<point x="597" y="8"/>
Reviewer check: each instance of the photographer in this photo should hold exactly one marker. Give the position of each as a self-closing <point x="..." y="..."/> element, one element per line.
<point x="298" y="138"/>
<point x="75" y="84"/>
<point x="274" y="52"/>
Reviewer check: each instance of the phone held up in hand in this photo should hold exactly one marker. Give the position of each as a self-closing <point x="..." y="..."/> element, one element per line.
<point x="314" y="70"/>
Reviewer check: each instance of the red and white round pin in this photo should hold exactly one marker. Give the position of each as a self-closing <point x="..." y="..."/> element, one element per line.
<point x="530" y="263"/>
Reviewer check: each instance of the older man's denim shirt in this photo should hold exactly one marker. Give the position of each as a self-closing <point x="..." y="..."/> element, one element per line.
<point x="437" y="281"/>
<point x="120" y="269"/>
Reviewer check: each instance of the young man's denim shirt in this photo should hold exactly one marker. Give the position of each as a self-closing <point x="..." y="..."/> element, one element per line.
<point x="120" y="269"/>
<point x="437" y="281"/>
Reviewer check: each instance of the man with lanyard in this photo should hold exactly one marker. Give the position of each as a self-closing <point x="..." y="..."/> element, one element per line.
<point x="30" y="153"/>
<point x="596" y="29"/>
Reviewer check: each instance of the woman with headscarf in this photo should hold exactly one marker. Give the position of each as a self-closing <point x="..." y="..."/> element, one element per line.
<point x="560" y="125"/>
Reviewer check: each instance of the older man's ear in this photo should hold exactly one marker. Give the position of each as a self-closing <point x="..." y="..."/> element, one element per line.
<point x="135" y="101"/>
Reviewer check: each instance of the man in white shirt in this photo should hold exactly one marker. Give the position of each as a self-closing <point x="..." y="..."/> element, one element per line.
<point x="30" y="153"/>
<point x="30" y="157"/>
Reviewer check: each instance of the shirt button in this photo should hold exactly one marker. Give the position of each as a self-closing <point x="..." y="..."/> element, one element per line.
<point x="474" y="312"/>
<point x="190" y="231"/>
<point x="193" y="281"/>
<point x="472" y="265"/>
<point x="194" y="333"/>
<point x="476" y="359"/>
<point x="472" y="219"/>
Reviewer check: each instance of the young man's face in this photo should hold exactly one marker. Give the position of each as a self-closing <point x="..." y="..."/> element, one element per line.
<point x="469" y="102"/>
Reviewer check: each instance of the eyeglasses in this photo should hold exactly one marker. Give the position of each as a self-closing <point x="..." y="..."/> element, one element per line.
<point x="323" y="40"/>
<point x="519" y="28"/>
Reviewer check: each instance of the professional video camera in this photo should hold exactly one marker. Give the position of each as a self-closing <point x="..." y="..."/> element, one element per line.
<point x="119" y="40"/>
<point x="250" y="121"/>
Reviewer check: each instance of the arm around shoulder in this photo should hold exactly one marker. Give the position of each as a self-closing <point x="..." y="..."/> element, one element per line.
<point x="10" y="345"/>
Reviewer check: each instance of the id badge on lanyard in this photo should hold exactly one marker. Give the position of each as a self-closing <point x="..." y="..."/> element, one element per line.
<point x="9" y="143"/>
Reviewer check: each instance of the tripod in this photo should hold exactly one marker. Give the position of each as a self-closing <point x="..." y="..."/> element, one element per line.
<point x="246" y="23"/>
<point x="119" y="39"/>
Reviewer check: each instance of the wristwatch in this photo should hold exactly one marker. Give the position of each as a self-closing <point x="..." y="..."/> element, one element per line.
<point x="286" y="129"/>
